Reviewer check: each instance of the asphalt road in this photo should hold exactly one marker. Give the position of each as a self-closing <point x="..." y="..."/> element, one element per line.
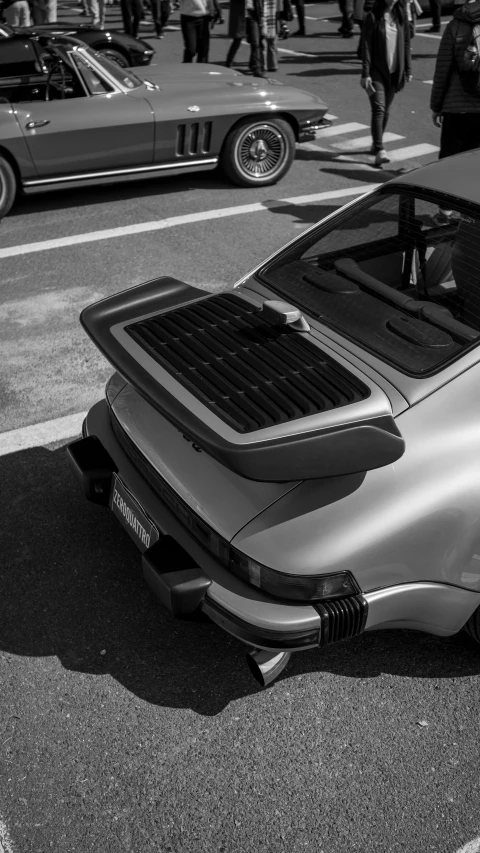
<point x="120" y="728"/>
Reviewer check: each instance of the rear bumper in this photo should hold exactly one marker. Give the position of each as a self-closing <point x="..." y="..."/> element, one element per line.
<point x="193" y="575"/>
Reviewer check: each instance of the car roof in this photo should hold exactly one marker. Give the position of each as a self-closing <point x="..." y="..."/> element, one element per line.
<point x="456" y="176"/>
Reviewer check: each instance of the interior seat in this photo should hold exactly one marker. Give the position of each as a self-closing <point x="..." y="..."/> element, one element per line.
<point x="466" y="269"/>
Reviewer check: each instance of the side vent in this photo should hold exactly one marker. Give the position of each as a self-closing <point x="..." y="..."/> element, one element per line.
<point x="181" y="139"/>
<point x="207" y="137"/>
<point x="193" y="138"/>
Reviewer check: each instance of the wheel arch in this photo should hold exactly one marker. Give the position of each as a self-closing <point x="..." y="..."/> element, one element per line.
<point x="8" y="156"/>
<point x="118" y="48"/>
<point x="285" y="116"/>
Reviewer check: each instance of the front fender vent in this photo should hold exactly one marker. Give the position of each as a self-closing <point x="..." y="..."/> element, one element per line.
<point x="249" y="371"/>
<point x="342" y="619"/>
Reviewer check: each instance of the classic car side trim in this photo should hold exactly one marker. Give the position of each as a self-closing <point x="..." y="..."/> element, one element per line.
<point x="111" y="173"/>
<point x="433" y="608"/>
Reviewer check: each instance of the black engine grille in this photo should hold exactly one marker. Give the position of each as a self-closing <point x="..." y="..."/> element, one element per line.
<point x="342" y="619"/>
<point x="251" y="373"/>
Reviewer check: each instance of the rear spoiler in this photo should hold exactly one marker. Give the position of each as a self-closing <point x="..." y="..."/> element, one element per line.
<point x="351" y="439"/>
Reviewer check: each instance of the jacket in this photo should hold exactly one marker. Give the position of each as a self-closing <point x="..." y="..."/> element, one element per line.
<point x="448" y="94"/>
<point x="237" y="27"/>
<point x="374" y="50"/>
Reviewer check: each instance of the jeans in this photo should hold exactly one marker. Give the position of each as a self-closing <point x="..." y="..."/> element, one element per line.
<point x="132" y="13"/>
<point x="232" y="51"/>
<point x="96" y="8"/>
<point x="380" y="103"/>
<point x="18" y="14"/>
<point x="269" y="54"/>
<point x="460" y="132"/>
<point x="160" y="14"/>
<point x="196" y="37"/>
<point x="254" y="36"/>
<point x="346" y="9"/>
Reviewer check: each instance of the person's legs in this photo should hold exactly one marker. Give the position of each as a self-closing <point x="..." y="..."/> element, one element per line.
<point x="389" y="96"/>
<point x="203" y="38"/>
<point x="255" y="39"/>
<point x="436" y="11"/>
<point x="270" y="61"/>
<point x="157" y="16"/>
<point x="232" y="51"/>
<point x="377" y="104"/>
<point x="137" y="16"/>
<point x="126" y="7"/>
<point x="164" y="13"/>
<point x="51" y="11"/>
<point x="189" y="34"/>
<point x="346" y="9"/>
<point x="39" y="12"/>
<point x="300" y="8"/>
<point x="94" y="12"/>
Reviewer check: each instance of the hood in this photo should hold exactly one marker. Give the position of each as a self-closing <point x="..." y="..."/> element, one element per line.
<point x="469" y="13"/>
<point x="162" y="73"/>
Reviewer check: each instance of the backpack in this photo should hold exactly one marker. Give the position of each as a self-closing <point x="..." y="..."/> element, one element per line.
<point x="467" y="52"/>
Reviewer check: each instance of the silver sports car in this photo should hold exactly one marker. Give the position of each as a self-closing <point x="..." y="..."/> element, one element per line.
<point x="298" y="458"/>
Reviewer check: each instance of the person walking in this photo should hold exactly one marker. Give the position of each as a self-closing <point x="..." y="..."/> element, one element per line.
<point x="346" y="10"/>
<point x="300" y="10"/>
<point x="436" y="13"/>
<point x="195" y="19"/>
<point x="455" y="107"/>
<point x="160" y="14"/>
<point x="132" y="14"/>
<point x="16" y="13"/>
<point x="386" y="64"/>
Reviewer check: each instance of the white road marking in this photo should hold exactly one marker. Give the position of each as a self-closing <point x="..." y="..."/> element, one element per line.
<point x="426" y="25"/>
<point x="429" y="35"/>
<point x="330" y="117"/>
<point x="410" y="152"/>
<point x="37" y="435"/>
<point x="339" y="129"/>
<point x="173" y="221"/>
<point x="5" y="841"/>
<point x="297" y="52"/>
<point x="362" y="142"/>
<point x="471" y="847"/>
<point x="430" y="82"/>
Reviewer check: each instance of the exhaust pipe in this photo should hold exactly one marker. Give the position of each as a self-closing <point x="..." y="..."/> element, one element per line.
<point x="265" y="666"/>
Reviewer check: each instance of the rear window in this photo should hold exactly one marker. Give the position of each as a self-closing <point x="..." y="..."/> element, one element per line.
<point x="396" y="273"/>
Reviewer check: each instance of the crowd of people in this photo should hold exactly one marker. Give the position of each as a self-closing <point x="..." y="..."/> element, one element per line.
<point x="386" y="28"/>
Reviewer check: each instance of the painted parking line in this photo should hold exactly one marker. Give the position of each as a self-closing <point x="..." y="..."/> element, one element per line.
<point x="173" y="221"/>
<point x="5" y="840"/>
<point x="362" y="142"/>
<point x="410" y="152"/>
<point x="340" y="129"/>
<point x="471" y="847"/>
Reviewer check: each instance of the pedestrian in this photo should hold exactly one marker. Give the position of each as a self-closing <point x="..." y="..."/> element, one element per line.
<point x="160" y="14"/>
<point x="195" y="19"/>
<point x="16" y="13"/>
<point x="346" y="27"/>
<point x="386" y="64"/>
<point x="97" y="10"/>
<point x="44" y="11"/>
<point x="132" y="14"/>
<point x="454" y="103"/>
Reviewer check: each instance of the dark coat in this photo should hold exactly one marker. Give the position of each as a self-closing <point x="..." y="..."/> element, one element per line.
<point x="448" y="94"/>
<point x="374" y="50"/>
<point x="237" y="28"/>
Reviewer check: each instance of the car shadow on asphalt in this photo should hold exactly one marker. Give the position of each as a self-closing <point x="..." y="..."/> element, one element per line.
<point x="25" y="205"/>
<point x="71" y="586"/>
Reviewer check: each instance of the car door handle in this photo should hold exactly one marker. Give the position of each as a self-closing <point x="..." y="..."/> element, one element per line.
<point x="31" y="124"/>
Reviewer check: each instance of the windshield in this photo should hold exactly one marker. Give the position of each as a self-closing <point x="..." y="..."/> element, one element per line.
<point x="395" y="273"/>
<point x="123" y="76"/>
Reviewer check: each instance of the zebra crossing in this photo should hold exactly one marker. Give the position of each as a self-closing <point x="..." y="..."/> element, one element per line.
<point x="348" y="143"/>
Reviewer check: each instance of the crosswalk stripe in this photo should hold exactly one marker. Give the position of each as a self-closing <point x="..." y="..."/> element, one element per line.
<point x="429" y="82"/>
<point x="361" y="142"/>
<point x="339" y="129"/>
<point x="410" y="152"/>
<point x="429" y="35"/>
<point x="331" y="117"/>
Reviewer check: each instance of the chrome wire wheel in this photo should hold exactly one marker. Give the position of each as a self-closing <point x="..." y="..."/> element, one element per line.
<point x="261" y="151"/>
<point x="8" y="187"/>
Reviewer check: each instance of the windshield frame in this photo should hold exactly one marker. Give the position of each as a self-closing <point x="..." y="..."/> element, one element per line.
<point x="294" y="250"/>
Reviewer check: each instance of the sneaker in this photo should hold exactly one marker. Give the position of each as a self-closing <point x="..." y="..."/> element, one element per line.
<point x="381" y="157"/>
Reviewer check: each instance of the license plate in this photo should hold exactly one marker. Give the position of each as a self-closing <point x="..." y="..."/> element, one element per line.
<point x="131" y="515"/>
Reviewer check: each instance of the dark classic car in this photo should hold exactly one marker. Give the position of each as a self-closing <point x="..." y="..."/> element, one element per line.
<point x="120" y="47"/>
<point x="71" y="117"/>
